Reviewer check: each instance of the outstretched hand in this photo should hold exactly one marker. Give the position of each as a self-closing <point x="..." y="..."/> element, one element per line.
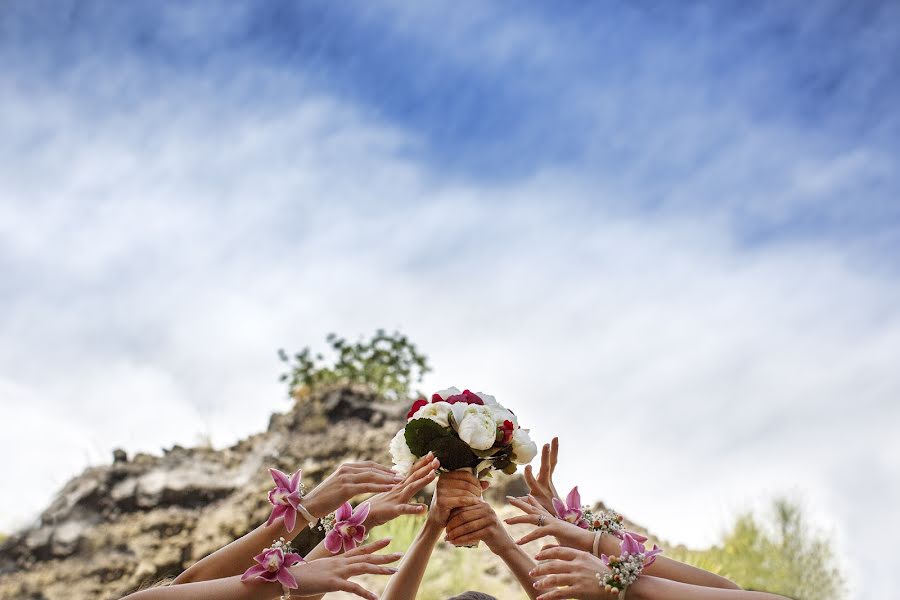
<point x="387" y="506"/>
<point x="542" y="487"/>
<point x="349" y="480"/>
<point x="332" y="574"/>
<point x="567" y="573"/>
<point x="546" y="523"/>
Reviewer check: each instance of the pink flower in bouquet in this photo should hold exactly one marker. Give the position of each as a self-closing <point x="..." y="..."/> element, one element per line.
<point x="272" y="565"/>
<point x="416" y="406"/>
<point x="348" y="528"/>
<point x="465" y="396"/>
<point x="285" y="498"/>
<point x="505" y="432"/>
<point x="571" y="511"/>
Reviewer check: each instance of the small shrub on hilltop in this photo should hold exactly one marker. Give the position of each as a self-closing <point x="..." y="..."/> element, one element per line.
<point x="387" y="364"/>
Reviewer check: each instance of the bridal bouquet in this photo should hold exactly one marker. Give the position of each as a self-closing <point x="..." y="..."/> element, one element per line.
<point x="463" y="430"/>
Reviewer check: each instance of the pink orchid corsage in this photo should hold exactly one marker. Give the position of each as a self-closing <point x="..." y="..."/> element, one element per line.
<point x="628" y="566"/>
<point x="285" y="497"/>
<point x="273" y="564"/>
<point x="608" y="521"/>
<point x="345" y="527"/>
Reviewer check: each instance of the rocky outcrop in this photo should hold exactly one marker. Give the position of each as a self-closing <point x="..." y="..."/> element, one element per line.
<point x="117" y="527"/>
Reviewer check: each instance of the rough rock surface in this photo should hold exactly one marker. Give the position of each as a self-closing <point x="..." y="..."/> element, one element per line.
<point x="119" y="527"/>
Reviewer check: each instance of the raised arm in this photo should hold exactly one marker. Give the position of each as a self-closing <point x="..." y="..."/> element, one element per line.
<point x="480" y="522"/>
<point x="330" y="574"/>
<point x="565" y="573"/>
<point x="346" y="482"/>
<point x="454" y="490"/>
<point x="387" y="506"/>
<point x="572" y="536"/>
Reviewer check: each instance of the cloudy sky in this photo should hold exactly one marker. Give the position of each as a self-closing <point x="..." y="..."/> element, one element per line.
<point x="665" y="227"/>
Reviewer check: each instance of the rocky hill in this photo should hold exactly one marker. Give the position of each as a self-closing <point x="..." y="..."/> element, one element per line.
<point x="118" y="527"/>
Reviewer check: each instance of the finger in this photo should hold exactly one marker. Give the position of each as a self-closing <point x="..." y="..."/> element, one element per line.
<point x="369" y="569"/>
<point x="369" y="488"/>
<point x="422" y="462"/>
<point x="422" y="468"/>
<point x="371" y="477"/>
<point x="484" y="485"/>
<point x="554" y="454"/>
<point x="459" y="502"/>
<point x="368" y="548"/>
<point x="355" y="588"/>
<point x="481" y="506"/>
<point x="548" y="546"/>
<point x="465" y="514"/>
<point x="414" y="486"/>
<point x="535" y="534"/>
<point x="375" y="559"/>
<point x="370" y="464"/>
<point x="544" y="473"/>
<point x="552" y="566"/>
<point x="555" y="581"/>
<point x="529" y="519"/>
<point x="557" y="553"/>
<point x="537" y="505"/>
<point x="521" y="505"/>
<point x="529" y="478"/>
<point x="470" y="526"/>
<point x="458" y="485"/>
<point x="409" y="509"/>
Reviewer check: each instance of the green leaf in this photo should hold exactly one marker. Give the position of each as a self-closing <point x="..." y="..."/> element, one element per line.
<point x="420" y="435"/>
<point x="453" y="452"/>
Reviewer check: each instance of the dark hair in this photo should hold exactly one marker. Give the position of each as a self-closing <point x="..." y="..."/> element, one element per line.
<point x="473" y="596"/>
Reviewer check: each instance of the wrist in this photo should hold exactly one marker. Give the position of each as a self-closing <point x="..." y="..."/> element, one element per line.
<point x="642" y="589"/>
<point x="311" y="503"/>
<point x="500" y="543"/>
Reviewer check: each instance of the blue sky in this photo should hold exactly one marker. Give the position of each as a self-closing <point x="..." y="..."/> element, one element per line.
<point x="681" y="214"/>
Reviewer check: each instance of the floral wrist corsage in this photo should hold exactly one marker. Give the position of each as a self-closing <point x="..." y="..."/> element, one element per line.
<point x="344" y="528"/>
<point x="286" y="499"/>
<point x="273" y="564"/>
<point x="608" y="521"/>
<point x="627" y="567"/>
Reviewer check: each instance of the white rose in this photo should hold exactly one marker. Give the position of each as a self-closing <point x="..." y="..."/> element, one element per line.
<point x="401" y="454"/>
<point x="476" y="425"/>
<point x="524" y="450"/>
<point x="502" y="414"/>
<point x="439" y="412"/>
<point x="487" y="399"/>
<point x="450" y="391"/>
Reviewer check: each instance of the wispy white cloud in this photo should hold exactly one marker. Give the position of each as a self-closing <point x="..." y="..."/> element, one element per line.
<point x="156" y="252"/>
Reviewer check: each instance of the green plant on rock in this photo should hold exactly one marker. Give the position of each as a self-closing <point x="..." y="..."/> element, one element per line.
<point x="387" y="364"/>
<point x="783" y="556"/>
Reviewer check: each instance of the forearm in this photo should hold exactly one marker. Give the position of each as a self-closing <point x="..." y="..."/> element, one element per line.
<point x="237" y="557"/>
<point x="405" y="583"/>
<point x="666" y="568"/>
<point x="229" y="588"/>
<point x="656" y="588"/>
<point x="518" y="562"/>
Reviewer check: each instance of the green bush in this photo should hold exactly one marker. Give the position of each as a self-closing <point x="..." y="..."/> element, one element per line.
<point x="783" y="556"/>
<point x="388" y="364"/>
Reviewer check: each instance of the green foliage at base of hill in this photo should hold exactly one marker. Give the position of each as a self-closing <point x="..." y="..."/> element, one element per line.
<point x="781" y="555"/>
